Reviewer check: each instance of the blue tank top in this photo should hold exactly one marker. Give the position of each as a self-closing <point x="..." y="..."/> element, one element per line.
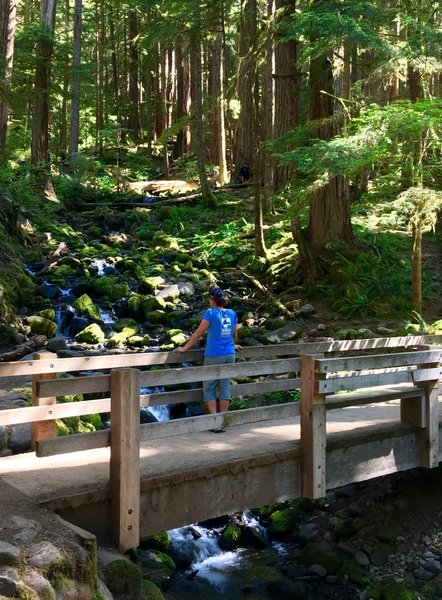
<point x="220" y="333"/>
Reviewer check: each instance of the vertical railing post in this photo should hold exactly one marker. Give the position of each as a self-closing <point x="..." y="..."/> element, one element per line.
<point x="428" y="438"/>
<point x="313" y="433"/>
<point x="125" y="457"/>
<point x="42" y="429"/>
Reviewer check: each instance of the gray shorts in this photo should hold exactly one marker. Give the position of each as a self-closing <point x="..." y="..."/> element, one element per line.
<point x="218" y="389"/>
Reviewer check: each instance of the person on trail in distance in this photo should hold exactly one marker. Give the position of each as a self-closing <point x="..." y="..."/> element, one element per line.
<point x="221" y="324"/>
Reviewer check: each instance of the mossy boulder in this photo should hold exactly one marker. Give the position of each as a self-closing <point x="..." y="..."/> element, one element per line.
<point x="352" y="571"/>
<point x="282" y="522"/>
<point x="139" y="341"/>
<point x="92" y="334"/>
<point x="86" y="307"/>
<point x="179" y="339"/>
<point x="16" y="289"/>
<point x="342" y="527"/>
<point x="160" y="541"/>
<point x="102" y="285"/>
<point x="121" y="324"/>
<point x="152" y="283"/>
<point x="156" y="316"/>
<point x="243" y="332"/>
<point x="322" y="553"/>
<point x="150" y="303"/>
<point x="42" y="326"/>
<point x="134" y="304"/>
<point x="120" y="338"/>
<point x="163" y="240"/>
<point x="70" y="261"/>
<point x="119" y="291"/>
<point x="230" y="537"/>
<point x="124" y="580"/>
<point x="152" y="590"/>
<point x="47" y="313"/>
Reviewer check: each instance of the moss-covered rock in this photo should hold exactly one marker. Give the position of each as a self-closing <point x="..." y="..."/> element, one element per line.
<point x="121" y="324"/>
<point x="139" y="341"/>
<point x="134" y="304"/>
<point x="353" y="571"/>
<point x="120" y="338"/>
<point x="160" y="541"/>
<point x="163" y="240"/>
<point x="342" y="527"/>
<point x="102" y="285"/>
<point x="124" y="580"/>
<point x="152" y="283"/>
<point x="41" y="326"/>
<point x="152" y="590"/>
<point x="8" y="335"/>
<point x="282" y="522"/>
<point x="86" y="307"/>
<point x="47" y="313"/>
<point x="156" y="316"/>
<point x="119" y="291"/>
<point x="92" y="334"/>
<point x="150" y="303"/>
<point x="322" y="553"/>
<point x="179" y="339"/>
<point x="230" y="537"/>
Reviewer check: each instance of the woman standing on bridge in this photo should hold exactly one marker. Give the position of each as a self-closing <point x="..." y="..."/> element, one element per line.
<point x="220" y="323"/>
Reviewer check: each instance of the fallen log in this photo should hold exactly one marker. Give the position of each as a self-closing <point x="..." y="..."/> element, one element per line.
<point x="34" y="343"/>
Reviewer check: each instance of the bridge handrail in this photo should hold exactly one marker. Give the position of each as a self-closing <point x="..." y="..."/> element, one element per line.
<point x="411" y="377"/>
<point x="145" y="359"/>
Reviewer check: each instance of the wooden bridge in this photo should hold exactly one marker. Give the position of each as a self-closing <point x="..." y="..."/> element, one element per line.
<point x="140" y="480"/>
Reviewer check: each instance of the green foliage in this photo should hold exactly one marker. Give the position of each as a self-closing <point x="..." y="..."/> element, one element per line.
<point x="420" y="326"/>
<point x="224" y="245"/>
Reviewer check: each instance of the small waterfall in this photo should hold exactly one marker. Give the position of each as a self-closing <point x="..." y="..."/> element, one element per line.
<point x="102" y="266"/>
<point x="161" y="412"/>
<point x="106" y="316"/>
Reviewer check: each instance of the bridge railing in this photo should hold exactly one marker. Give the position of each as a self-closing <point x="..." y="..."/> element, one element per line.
<point x="121" y="377"/>
<point x="330" y="383"/>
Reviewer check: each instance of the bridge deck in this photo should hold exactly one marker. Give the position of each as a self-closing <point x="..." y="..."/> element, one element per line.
<point x="76" y="473"/>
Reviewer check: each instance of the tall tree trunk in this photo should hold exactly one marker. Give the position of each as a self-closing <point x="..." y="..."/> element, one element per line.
<point x="76" y="61"/>
<point x="218" y="95"/>
<point x="40" y="119"/>
<point x="330" y="217"/>
<point x="197" y="101"/>
<point x="63" y="144"/>
<point x="100" y="40"/>
<point x="416" y="278"/>
<point x="244" y="150"/>
<point x="181" y="105"/>
<point x="134" y="115"/>
<point x="268" y="115"/>
<point x="8" y="12"/>
<point x="286" y="112"/>
<point x="114" y="60"/>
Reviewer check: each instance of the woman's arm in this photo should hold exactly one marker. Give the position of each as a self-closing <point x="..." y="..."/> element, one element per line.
<point x="196" y="335"/>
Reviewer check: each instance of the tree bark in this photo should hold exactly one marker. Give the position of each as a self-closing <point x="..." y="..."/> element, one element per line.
<point x="40" y="119"/>
<point x="134" y="115"/>
<point x="243" y="144"/>
<point x="76" y="81"/>
<point x="197" y="102"/>
<point x="286" y="111"/>
<point x="8" y="12"/>
<point x="416" y="277"/>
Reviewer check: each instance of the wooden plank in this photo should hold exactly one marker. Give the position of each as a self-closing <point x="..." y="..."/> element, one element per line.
<point x="151" y="431"/>
<point x="125" y="457"/>
<point x="378" y="361"/>
<point x="86" y="384"/>
<point x="313" y="433"/>
<point x="46" y="428"/>
<point x="373" y="395"/>
<point x="413" y="410"/>
<point x="31" y="414"/>
<point x="73" y="443"/>
<point x="341" y="384"/>
<point x="243" y="369"/>
<point x="111" y="361"/>
<point x="238" y="389"/>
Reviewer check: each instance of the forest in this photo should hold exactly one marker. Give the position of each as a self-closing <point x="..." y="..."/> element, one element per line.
<point x="287" y="151"/>
<point x="324" y="113"/>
